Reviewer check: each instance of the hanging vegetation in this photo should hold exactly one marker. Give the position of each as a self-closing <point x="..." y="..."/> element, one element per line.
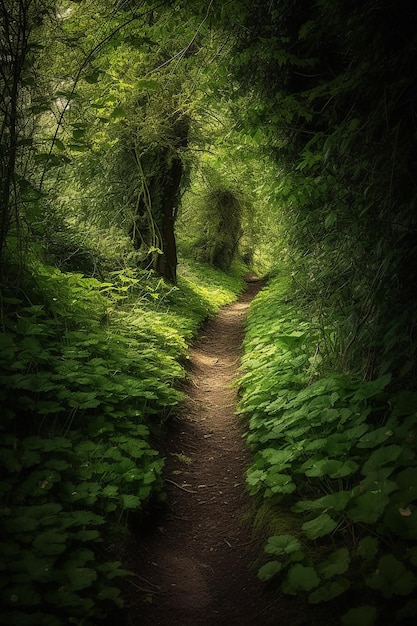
<point x="220" y="218"/>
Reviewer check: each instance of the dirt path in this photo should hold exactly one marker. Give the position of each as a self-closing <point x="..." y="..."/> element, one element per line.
<point x="198" y="562"/>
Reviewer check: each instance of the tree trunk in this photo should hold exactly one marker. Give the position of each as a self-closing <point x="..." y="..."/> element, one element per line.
<point x="166" y="263"/>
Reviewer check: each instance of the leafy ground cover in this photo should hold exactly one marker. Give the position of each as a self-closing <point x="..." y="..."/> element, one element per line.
<point x="88" y="373"/>
<point x="338" y="453"/>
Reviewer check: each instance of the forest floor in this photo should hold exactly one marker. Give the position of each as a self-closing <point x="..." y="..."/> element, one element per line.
<point x="196" y="563"/>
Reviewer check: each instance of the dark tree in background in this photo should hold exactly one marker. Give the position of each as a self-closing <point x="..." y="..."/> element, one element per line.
<point x="162" y="172"/>
<point x="221" y="227"/>
<point x="20" y="21"/>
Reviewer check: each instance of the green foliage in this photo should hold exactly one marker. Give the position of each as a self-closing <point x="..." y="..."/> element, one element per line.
<point x="309" y="138"/>
<point x="220" y="228"/>
<point x="335" y="116"/>
<point x="329" y="388"/>
<point x="360" y="616"/>
<point x="88" y="373"/>
<point x="244" y="220"/>
<point x="338" y="451"/>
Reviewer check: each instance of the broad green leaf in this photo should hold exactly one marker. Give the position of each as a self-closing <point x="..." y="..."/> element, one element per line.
<point x="21" y="524"/>
<point x="332" y="468"/>
<point x="87" y="535"/>
<point x="375" y="482"/>
<point x="402" y="521"/>
<point x="39" y="569"/>
<point x="255" y="476"/>
<point x="319" y="526"/>
<point x="321" y="468"/>
<point x="85" y="448"/>
<point x="360" y="616"/>
<point x="113" y="594"/>
<point x="327" y="592"/>
<point x="279" y="483"/>
<point x="338" y="445"/>
<point x="30" y="457"/>
<point x="129" y="501"/>
<point x="368" y="548"/>
<point x="110" y="491"/>
<point x="86" y="492"/>
<point x="372" y="388"/>
<point x="369" y="507"/>
<point x="291" y="341"/>
<point x="300" y="578"/>
<point x="325" y="385"/>
<point x="59" y="144"/>
<point x="50" y="542"/>
<point x="49" y="407"/>
<point x="57" y="464"/>
<point x="374" y="438"/>
<point x="392" y="578"/>
<point x="43" y="512"/>
<point x="136" y="448"/>
<point x="25" y="142"/>
<point x="380" y="457"/>
<point x="112" y="569"/>
<point x="278" y="458"/>
<point x="282" y="544"/>
<point x="356" y="432"/>
<point x="269" y="570"/>
<point x="337" y="501"/>
<point x="407" y="483"/>
<point x="379" y="476"/>
<point x="84" y="400"/>
<point x="80" y="578"/>
<point x="337" y="563"/>
<point x="79" y="558"/>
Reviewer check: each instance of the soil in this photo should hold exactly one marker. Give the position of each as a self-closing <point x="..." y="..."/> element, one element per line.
<point x="197" y="563"/>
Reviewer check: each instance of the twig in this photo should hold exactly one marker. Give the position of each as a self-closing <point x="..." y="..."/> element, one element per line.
<point x="148" y="582"/>
<point x="253" y="617"/>
<point x="179" y="486"/>
<point x="144" y="590"/>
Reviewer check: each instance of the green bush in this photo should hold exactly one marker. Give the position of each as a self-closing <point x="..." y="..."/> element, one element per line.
<point x="340" y="453"/>
<point x="88" y="373"/>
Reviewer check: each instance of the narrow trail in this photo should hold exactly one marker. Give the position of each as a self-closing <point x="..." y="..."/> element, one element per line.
<point x="196" y="566"/>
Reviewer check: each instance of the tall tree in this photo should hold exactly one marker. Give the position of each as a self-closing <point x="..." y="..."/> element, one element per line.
<point x="161" y="170"/>
<point x="20" y="21"/>
<point x="132" y="117"/>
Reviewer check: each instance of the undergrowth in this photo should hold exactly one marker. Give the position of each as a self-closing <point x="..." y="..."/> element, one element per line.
<point x="339" y="453"/>
<point x="88" y="373"/>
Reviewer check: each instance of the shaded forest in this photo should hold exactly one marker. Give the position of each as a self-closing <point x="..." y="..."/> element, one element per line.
<point x="151" y="155"/>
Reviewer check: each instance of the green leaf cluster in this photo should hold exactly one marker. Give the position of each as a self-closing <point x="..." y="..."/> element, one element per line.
<point x="89" y="372"/>
<point x="338" y="451"/>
